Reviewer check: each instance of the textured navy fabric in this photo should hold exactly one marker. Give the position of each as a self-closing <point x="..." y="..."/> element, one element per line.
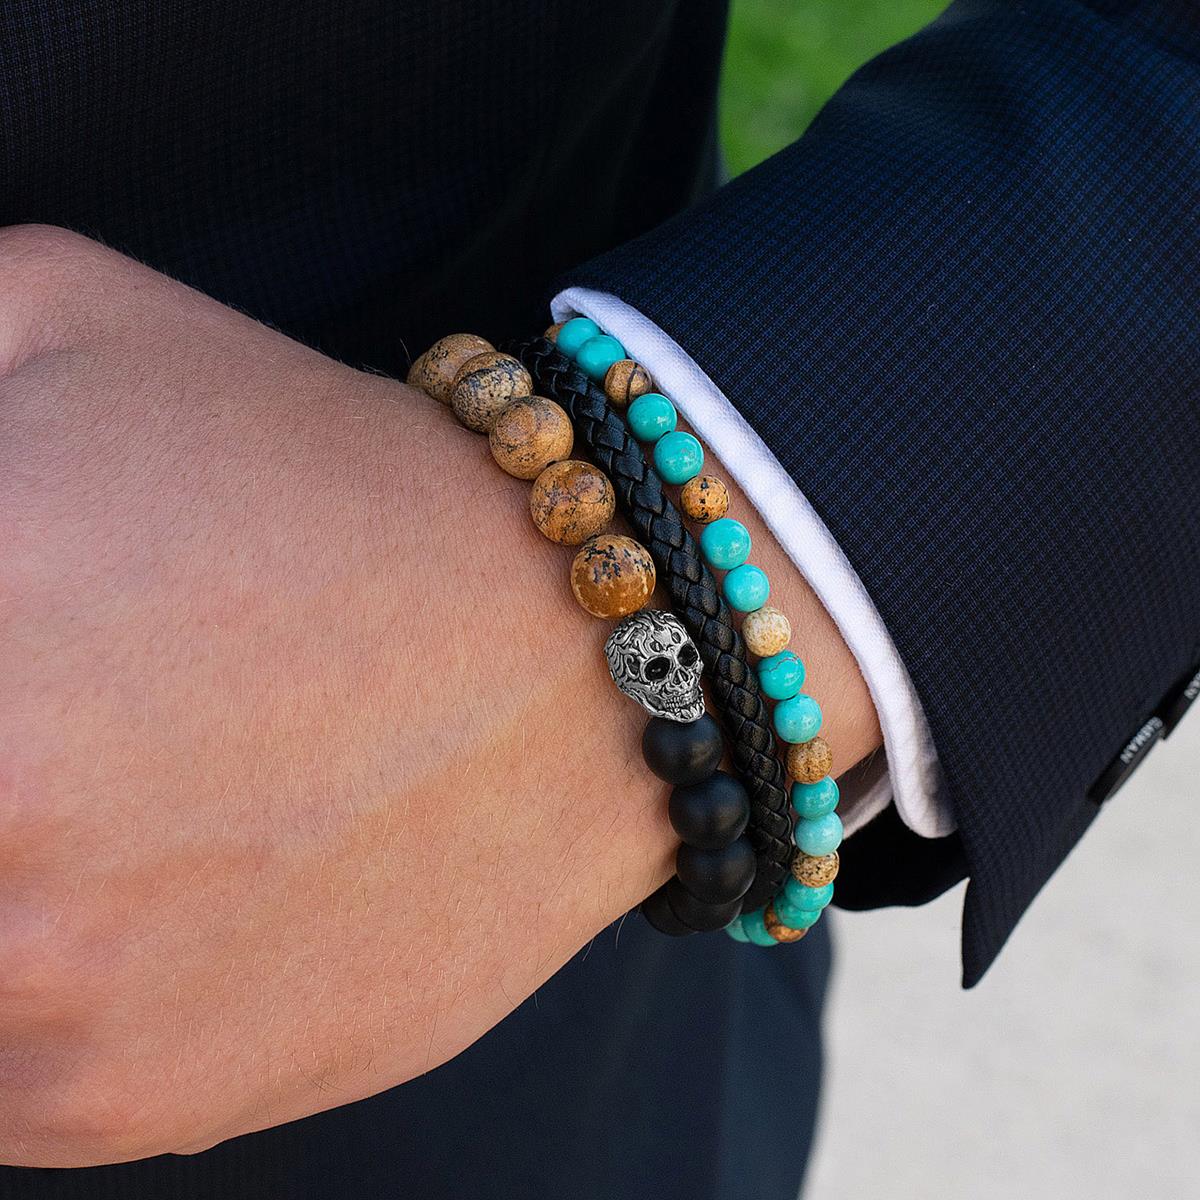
<point x="964" y="312"/>
<point x="639" y="1072"/>
<point x="364" y="174"/>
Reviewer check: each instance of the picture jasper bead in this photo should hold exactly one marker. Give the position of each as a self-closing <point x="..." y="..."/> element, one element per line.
<point x="704" y="499"/>
<point x="572" y="501"/>
<point x="809" y="761"/>
<point x="529" y="435"/>
<point x="778" y="930"/>
<point x="766" y="631"/>
<point x="612" y="576"/>
<point x="434" y="372"/>
<point x="815" y="870"/>
<point x="625" y="381"/>
<point x="551" y="334"/>
<point x="484" y="385"/>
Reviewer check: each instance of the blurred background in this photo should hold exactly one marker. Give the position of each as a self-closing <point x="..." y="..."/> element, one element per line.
<point x="1073" y="1071"/>
<point x="785" y="58"/>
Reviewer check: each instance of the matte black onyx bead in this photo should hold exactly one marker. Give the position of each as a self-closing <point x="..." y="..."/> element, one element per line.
<point x="695" y="914"/>
<point x="710" y="814"/>
<point x="682" y="753"/>
<point x="717" y="876"/>
<point x="656" y="908"/>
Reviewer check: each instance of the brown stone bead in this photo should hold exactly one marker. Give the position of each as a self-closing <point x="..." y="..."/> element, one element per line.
<point x="530" y="434"/>
<point x="625" y="381"/>
<point x="766" y="631"/>
<point x="704" y="499"/>
<point x="815" y="872"/>
<point x="484" y="385"/>
<point x="808" y="762"/>
<point x="612" y="576"/>
<point x="551" y="334"/>
<point x="571" y="501"/>
<point x="778" y="930"/>
<point x="435" y="370"/>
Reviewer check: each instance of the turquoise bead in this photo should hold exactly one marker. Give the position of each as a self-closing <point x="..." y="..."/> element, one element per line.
<point x="805" y="899"/>
<point x="782" y="675"/>
<point x="755" y="930"/>
<point x="597" y="354"/>
<point x="725" y="544"/>
<point x="574" y="333"/>
<point x="813" y="800"/>
<point x="796" y="918"/>
<point x="650" y="416"/>
<point x="735" y="930"/>
<point x="678" y="457"/>
<point x="821" y="835"/>
<point x="746" y="587"/>
<point x="797" y="719"/>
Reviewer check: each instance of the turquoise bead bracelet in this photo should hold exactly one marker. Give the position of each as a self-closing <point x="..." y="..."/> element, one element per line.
<point x="678" y="456"/>
<point x="726" y="546"/>
<point x="599" y="353"/>
<point x="650" y="416"/>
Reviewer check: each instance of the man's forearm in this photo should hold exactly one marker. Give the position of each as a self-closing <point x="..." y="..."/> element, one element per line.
<point x="311" y="768"/>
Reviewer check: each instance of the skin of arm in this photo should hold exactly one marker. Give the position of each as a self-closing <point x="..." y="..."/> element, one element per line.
<point x="310" y="769"/>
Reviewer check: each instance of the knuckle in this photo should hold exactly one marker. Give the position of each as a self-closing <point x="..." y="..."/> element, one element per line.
<point x="60" y="1112"/>
<point x="45" y="275"/>
<point x="31" y="967"/>
<point x="88" y="1119"/>
<point x="44" y="261"/>
<point x="37" y="243"/>
<point x="30" y="827"/>
<point x="41" y="979"/>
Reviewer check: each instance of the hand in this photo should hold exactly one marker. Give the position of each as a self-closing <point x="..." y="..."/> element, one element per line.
<point x="309" y="767"/>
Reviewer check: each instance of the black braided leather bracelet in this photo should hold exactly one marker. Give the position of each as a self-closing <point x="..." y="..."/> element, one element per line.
<point x="696" y="598"/>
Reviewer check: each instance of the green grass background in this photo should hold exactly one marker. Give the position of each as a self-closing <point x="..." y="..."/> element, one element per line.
<point x="787" y="57"/>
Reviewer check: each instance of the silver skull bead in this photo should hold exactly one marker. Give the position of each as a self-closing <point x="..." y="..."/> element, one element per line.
<point x="653" y="661"/>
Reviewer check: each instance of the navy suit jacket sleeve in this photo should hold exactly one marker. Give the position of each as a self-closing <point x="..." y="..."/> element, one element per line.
<point x="964" y="311"/>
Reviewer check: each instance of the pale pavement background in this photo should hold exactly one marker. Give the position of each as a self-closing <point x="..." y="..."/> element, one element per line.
<point x="1072" y="1072"/>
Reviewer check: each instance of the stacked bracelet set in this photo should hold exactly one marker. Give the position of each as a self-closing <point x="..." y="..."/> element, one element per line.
<point x="650" y="655"/>
<point x="725" y="543"/>
<point x="651" y="658"/>
<point x="696" y="599"/>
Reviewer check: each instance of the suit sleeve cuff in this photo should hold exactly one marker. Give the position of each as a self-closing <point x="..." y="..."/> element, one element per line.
<point x="907" y="772"/>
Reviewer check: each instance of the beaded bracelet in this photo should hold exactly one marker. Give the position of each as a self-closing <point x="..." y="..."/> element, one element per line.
<point x="697" y="599"/>
<point x="650" y="656"/>
<point x="725" y="543"/>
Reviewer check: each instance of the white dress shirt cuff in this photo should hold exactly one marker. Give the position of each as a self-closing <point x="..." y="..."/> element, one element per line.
<point x="907" y="772"/>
